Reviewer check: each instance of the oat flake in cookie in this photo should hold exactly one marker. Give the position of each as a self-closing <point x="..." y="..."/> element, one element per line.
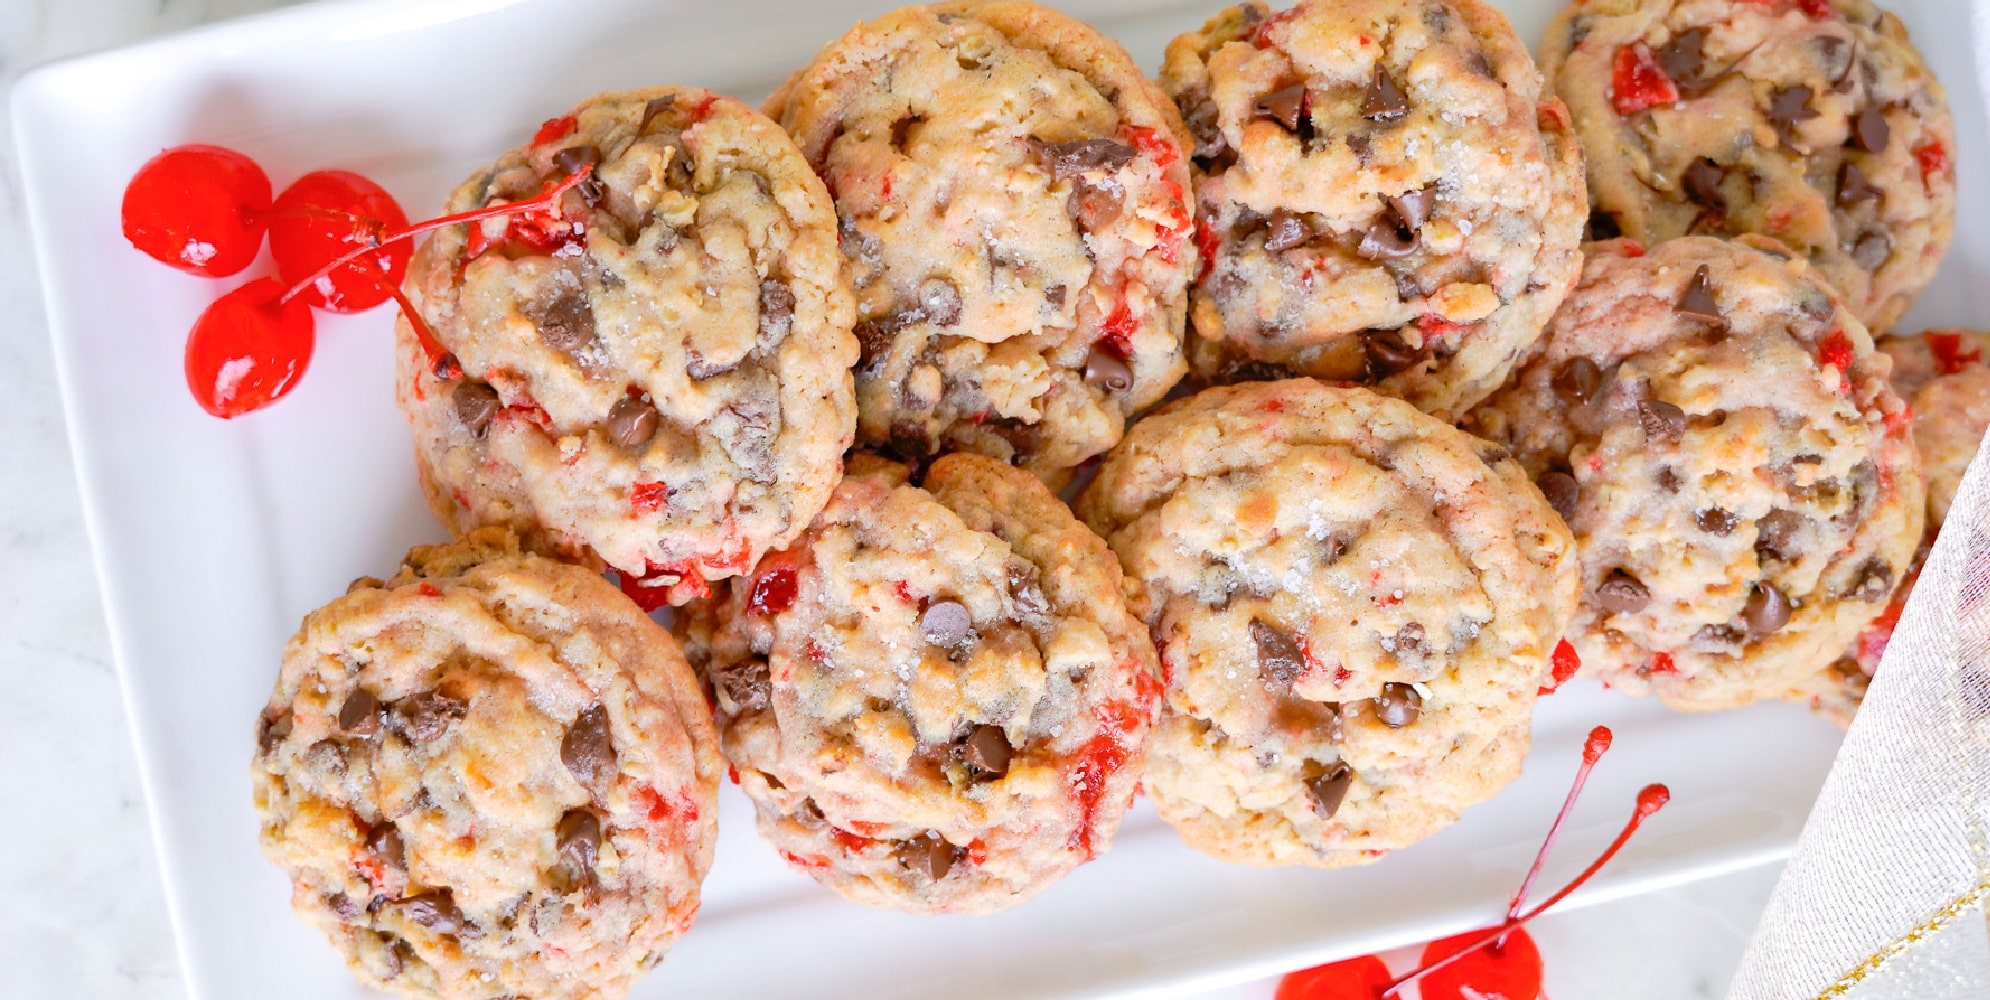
<point x="1717" y="429"/>
<point x="936" y="698"/>
<point x="489" y="776"/>
<point x="657" y="380"/>
<point x="1355" y="603"/>
<point x="1812" y="121"/>
<point x="1014" y="202"/>
<point x="1384" y="195"/>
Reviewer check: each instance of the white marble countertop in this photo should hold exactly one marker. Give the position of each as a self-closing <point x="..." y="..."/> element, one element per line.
<point x="88" y="918"/>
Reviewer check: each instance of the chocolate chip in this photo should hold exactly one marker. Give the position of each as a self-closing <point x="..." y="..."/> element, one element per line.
<point x="1093" y="207"/>
<point x="1384" y="241"/>
<point x="588" y="749"/>
<point x="1409" y="639"/>
<point x="424" y="717"/>
<point x="1398" y="705"/>
<point x="939" y="299"/>
<point x="1104" y="371"/>
<point x="1875" y="582"/>
<point x="1715" y="521"/>
<point x="1767" y="610"/>
<point x="1668" y="479"/>
<point x="579" y="839"/>
<point x="1790" y="106"/>
<point x="988" y="749"/>
<point x="1384" y="101"/>
<point x="1622" y="593"/>
<point x="1055" y="295"/>
<point x="1361" y="145"/>
<point x="1026" y="591"/>
<point x="873" y="344"/>
<point x="1870" y="132"/>
<point x="1604" y="226"/>
<point x="1853" y="187"/>
<point x="777" y="304"/>
<point x="946" y="624"/>
<point x="1065" y="160"/>
<point x="1684" y="60"/>
<point x="384" y="842"/>
<point x="1577" y="380"/>
<point x="1285" y="230"/>
<point x="1413" y="209"/>
<point x="745" y="684"/>
<point x="1662" y="421"/>
<point x="655" y="107"/>
<point x="1698" y="301"/>
<point x="927" y="855"/>
<point x="1872" y="250"/>
<point x="1776" y="534"/>
<point x="273" y="728"/>
<point x="1279" y="655"/>
<point x="1329" y="790"/>
<point x="569" y="160"/>
<point x="1283" y="106"/>
<point x="343" y="905"/>
<point x="565" y="322"/>
<point x="476" y="404"/>
<point x="1703" y="185"/>
<point x="1719" y="635"/>
<point x="1562" y="493"/>
<point x="360" y="715"/>
<point x="434" y="910"/>
<point x="632" y="422"/>
<point x="1389" y="353"/>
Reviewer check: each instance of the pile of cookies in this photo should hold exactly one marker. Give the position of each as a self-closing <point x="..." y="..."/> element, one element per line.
<point x="815" y="378"/>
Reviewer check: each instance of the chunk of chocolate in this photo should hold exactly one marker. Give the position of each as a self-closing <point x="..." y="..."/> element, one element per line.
<point x="1279" y="655"/>
<point x="578" y="839"/>
<point x="928" y="855"/>
<point x="777" y="305"/>
<point x="1026" y="591"/>
<point x="1413" y="209"/>
<point x="1778" y="532"/>
<point x="424" y="717"/>
<point x="1562" y="492"/>
<point x="1697" y="302"/>
<point x="360" y="715"/>
<point x="434" y="910"/>
<point x="1870" y="132"/>
<point x="1066" y="160"/>
<point x="476" y="405"/>
<point x="1853" y="188"/>
<point x="1622" y="593"/>
<point x="1105" y="371"/>
<point x="384" y="843"/>
<point x="566" y="321"/>
<point x="1285" y="230"/>
<point x="1398" y="705"/>
<point x="1872" y="250"/>
<point x="1767" y="610"/>
<point x="1384" y="101"/>
<point x="987" y="749"/>
<point x="1715" y="521"/>
<point x="1703" y="181"/>
<point x="1684" y="60"/>
<point x="939" y="300"/>
<point x="1875" y="582"/>
<point x="744" y="683"/>
<point x="946" y="624"/>
<point x="1790" y="106"/>
<point x="1384" y="241"/>
<point x="1577" y="380"/>
<point x="588" y="749"/>
<point x="632" y="422"/>
<point x="1283" y="106"/>
<point x="1662" y="421"/>
<point x="1329" y="790"/>
<point x="1389" y="353"/>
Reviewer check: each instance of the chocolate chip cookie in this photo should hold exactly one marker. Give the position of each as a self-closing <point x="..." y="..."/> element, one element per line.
<point x="936" y="698"/>
<point x="1717" y="428"/>
<point x="1384" y="195"/>
<point x="1812" y="121"/>
<point x="1013" y="195"/>
<point x="491" y="775"/>
<point x="657" y="375"/>
<point x="1355" y="605"/>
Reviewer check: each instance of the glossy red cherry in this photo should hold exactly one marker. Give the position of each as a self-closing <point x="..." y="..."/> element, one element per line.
<point x="248" y="349"/>
<point x="1361" y="978"/>
<point x="329" y="213"/>
<point x="1494" y="972"/>
<point x="202" y="209"/>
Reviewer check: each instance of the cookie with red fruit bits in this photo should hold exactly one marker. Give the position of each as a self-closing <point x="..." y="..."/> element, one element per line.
<point x="937" y="698"/>
<point x="1356" y="605"/>
<point x="1014" y="201"/>
<point x="1943" y="375"/>
<point x="490" y="775"/>
<point x="1716" y="427"/>
<point x="657" y="375"/>
<point x="1811" y="121"/>
<point x="1385" y="196"/>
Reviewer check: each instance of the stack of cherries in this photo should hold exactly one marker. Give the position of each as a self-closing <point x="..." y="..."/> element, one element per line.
<point x="340" y="241"/>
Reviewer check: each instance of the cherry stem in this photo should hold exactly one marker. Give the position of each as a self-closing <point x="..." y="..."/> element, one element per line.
<point x="548" y="198"/>
<point x="1593" y="750"/>
<point x="1650" y="800"/>
<point x="441" y="363"/>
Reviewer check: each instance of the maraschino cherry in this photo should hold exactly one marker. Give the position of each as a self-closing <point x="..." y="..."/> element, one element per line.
<point x="1495" y="963"/>
<point x="340" y="241"/>
<point x="202" y="209"/>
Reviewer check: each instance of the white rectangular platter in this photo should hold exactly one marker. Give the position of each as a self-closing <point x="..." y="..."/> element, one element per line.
<point x="213" y="539"/>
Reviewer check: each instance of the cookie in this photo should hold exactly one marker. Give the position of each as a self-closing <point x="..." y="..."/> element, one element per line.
<point x="1811" y="121"/>
<point x="492" y="775"/>
<point x="1384" y="196"/>
<point x="1717" y="428"/>
<point x="1942" y="374"/>
<point x="1013" y="196"/>
<point x="656" y="378"/>
<point x="937" y="698"/>
<point x="1355" y="605"/>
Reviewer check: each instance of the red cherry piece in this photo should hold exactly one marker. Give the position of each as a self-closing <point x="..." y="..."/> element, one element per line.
<point x="1950" y="354"/>
<point x="1566" y="663"/>
<point x="327" y="214"/>
<point x="649" y="497"/>
<point x="1934" y="160"/>
<point x="773" y="592"/>
<point x="1361" y="978"/>
<point x="1638" y="82"/>
<point x="202" y="209"/>
<point x="1493" y="972"/>
<point x="554" y="129"/>
<point x="248" y="349"/>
